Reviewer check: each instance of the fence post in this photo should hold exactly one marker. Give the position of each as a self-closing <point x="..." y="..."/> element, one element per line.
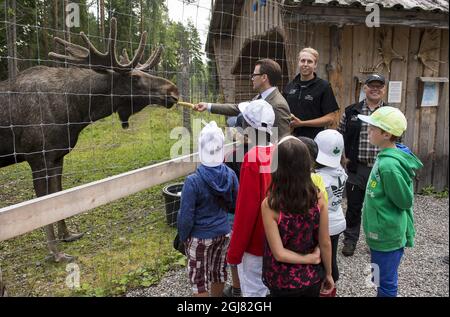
<point x="2" y="286"/>
<point x="185" y="87"/>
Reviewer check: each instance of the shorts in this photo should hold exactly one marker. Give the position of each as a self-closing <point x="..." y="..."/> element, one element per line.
<point x="206" y="262"/>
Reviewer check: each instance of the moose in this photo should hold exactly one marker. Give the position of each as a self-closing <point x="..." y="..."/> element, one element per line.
<point x="44" y="109"/>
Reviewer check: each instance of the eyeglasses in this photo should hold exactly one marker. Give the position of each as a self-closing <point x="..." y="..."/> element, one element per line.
<point x="254" y="75"/>
<point x="376" y="87"/>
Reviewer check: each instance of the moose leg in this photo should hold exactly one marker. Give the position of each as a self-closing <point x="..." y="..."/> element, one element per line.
<point x="43" y="186"/>
<point x="55" y="185"/>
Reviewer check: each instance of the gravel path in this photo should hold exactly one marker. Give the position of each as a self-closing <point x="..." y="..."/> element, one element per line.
<point x="422" y="272"/>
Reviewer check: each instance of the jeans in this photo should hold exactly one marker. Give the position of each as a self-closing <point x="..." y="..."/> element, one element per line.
<point x="388" y="263"/>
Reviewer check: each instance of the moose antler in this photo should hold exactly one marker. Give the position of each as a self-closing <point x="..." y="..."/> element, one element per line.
<point x="387" y="53"/>
<point x="151" y="62"/>
<point x="94" y="59"/>
<point x="427" y="50"/>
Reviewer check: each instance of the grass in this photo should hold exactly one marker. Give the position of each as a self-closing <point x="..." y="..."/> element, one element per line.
<point x="127" y="243"/>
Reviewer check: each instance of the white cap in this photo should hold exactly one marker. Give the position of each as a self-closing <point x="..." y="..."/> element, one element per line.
<point x="210" y="144"/>
<point x="258" y="114"/>
<point x="331" y="145"/>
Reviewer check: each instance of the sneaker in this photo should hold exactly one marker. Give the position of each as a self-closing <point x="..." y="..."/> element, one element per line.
<point x="230" y="291"/>
<point x="348" y="249"/>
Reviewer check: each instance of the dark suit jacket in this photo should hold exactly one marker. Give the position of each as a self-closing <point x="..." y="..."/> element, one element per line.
<point x="280" y="108"/>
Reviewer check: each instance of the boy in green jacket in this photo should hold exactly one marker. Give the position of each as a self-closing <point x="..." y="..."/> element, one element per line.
<point x="388" y="220"/>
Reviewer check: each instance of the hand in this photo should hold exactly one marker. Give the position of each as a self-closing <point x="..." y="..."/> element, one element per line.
<point x="295" y="122"/>
<point x="201" y="106"/>
<point x="327" y="285"/>
<point x="314" y="257"/>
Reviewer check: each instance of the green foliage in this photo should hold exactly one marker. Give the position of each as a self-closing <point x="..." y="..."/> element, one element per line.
<point x="430" y="191"/>
<point x="427" y="190"/>
<point x="37" y="22"/>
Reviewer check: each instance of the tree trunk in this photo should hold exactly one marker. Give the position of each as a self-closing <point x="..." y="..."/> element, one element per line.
<point x="45" y="29"/>
<point x="141" y="8"/>
<point x="185" y="88"/>
<point x="66" y="25"/>
<point x="102" y="23"/>
<point x="10" y="8"/>
<point x="55" y="24"/>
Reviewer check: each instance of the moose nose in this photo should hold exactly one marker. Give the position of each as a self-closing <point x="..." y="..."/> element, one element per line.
<point x="171" y="100"/>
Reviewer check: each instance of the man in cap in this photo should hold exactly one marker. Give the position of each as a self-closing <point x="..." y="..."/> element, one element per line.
<point x="360" y="155"/>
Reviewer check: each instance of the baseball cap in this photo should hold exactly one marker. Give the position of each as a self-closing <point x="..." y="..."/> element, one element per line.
<point x="258" y="114"/>
<point x="210" y="142"/>
<point x="331" y="146"/>
<point x="387" y="118"/>
<point x="375" y="77"/>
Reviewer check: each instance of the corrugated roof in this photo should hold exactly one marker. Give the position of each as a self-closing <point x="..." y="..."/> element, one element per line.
<point x="425" y="5"/>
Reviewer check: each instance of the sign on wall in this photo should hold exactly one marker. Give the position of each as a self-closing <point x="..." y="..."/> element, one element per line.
<point x="395" y="92"/>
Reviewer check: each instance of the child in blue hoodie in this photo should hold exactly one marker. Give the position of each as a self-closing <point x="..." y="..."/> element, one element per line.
<point x="202" y="222"/>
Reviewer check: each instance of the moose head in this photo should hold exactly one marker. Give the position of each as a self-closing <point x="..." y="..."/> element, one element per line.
<point x="132" y="87"/>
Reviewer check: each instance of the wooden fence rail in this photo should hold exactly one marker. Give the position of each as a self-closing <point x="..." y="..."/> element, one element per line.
<point x="27" y="216"/>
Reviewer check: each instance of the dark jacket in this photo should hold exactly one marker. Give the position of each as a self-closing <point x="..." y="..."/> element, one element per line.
<point x="352" y="134"/>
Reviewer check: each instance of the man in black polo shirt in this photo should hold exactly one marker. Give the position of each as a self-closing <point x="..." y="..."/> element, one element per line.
<point x="311" y="99"/>
<point x="360" y="155"/>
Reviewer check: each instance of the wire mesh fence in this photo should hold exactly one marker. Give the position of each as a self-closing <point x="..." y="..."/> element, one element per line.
<point x="128" y="243"/>
<point x="81" y="114"/>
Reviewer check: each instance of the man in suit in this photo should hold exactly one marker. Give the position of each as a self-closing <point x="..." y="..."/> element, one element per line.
<point x="265" y="77"/>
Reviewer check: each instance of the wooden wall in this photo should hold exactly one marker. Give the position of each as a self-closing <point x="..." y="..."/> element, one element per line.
<point x="344" y="50"/>
<point x="224" y="61"/>
<point x="252" y="23"/>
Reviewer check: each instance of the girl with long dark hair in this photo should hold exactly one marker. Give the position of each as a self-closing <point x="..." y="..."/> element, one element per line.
<point x="295" y="218"/>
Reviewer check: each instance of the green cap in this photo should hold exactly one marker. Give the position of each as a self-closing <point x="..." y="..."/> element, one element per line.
<point x="389" y="119"/>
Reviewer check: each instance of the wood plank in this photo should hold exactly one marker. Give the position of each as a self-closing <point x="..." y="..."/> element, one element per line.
<point x="276" y="15"/>
<point x="399" y="71"/>
<point x="440" y="168"/>
<point x="357" y="16"/>
<point x="435" y="79"/>
<point x="336" y="66"/>
<point x="386" y="32"/>
<point x="348" y="68"/>
<point x="359" y="57"/>
<point x="292" y="43"/>
<point x="270" y="9"/>
<point x="36" y="213"/>
<point x="415" y="70"/>
<point x="321" y="40"/>
<point x="427" y="134"/>
<point x="224" y="62"/>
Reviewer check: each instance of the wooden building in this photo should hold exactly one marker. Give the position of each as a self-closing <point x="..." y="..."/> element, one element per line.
<point x="409" y="47"/>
